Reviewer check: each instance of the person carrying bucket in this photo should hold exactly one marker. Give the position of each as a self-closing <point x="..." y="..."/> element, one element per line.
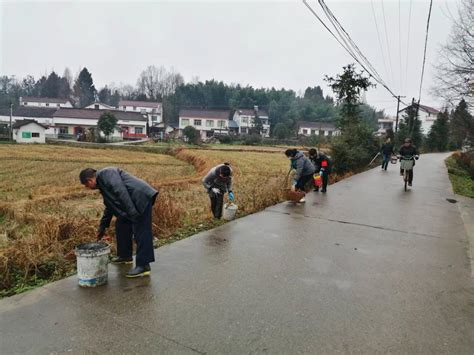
<point x="130" y="200"/>
<point x="217" y="182"/>
<point x="323" y="165"/>
<point x="304" y="170"/>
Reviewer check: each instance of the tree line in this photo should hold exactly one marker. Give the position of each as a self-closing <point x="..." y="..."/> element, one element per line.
<point x="285" y="107"/>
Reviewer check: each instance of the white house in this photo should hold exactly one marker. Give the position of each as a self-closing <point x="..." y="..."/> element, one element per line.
<point x="29" y="131"/>
<point x="153" y="110"/>
<point x="384" y="124"/>
<point x="43" y="116"/>
<point x="324" y="129"/>
<point x="427" y="115"/>
<point x="245" y="120"/>
<point x="100" y="106"/>
<point x="72" y="122"/>
<point x="207" y="122"/>
<point x="46" y="102"/>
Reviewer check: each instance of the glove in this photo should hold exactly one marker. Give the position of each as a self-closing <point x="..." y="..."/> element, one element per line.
<point x="216" y="191"/>
<point x="417" y="157"/>
<point x="231" y="196"/>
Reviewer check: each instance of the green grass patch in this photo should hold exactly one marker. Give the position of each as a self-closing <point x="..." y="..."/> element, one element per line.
<point x="463" y="183"/>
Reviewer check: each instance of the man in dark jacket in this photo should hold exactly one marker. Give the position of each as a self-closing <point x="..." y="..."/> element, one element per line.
<point x="323" y="166"/>
<point x="387" y="150"/>
<point x="217" y="182"/>
<point x="130" y="200"/>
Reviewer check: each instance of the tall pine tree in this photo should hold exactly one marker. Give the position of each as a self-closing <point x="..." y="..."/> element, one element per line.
<point x="438" y="137"/>
<point x="84" y="90"/>
<point x="410" y="127"/>
<point x="462" y="125"/>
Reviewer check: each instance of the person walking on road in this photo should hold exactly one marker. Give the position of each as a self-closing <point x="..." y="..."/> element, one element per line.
<point x="387" y="151"/>
<point x="323" y="166"/>
<point x="408" y="152"/>
<point x="304" y="170"/>
<point x="130" y="200"/>
<point x="217" y="182"/>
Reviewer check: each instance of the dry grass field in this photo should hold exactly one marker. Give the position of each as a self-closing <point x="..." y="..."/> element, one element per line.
<point x="45" y="212"/>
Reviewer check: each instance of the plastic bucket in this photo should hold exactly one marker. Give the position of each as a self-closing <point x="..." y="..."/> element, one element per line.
<point x="92" y="262"/>
<point x="230" y="210"/>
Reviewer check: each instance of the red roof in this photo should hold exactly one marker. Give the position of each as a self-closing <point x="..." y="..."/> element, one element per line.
<point x="149" y="104"/>
<point x="86" y="113"/>
<point x="202" y="113"/>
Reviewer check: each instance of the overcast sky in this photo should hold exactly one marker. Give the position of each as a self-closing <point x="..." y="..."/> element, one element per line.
<point x="260" y="43"/>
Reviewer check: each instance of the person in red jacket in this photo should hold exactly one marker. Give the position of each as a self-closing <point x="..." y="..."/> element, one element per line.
<point x="323" y="167"/>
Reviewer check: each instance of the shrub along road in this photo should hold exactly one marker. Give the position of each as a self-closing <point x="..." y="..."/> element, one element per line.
<point x="366" y="268"/>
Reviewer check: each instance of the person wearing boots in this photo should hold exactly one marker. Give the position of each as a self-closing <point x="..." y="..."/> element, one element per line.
<point x="130" y="200"/>
<point x="304" y="170"/>
<point x="217" y="182"/>
<point x="387" y="151"/>
<point x="323" y="165"/>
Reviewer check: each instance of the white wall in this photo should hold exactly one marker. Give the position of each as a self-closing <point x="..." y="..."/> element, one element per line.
<point x="70" y="123"/>
<point x="316" y="132"/>
<point x="29" y="128"/>
<point x="46" y="105"/>
<point x="203" y="126"/>
<point x="247" y="121"/>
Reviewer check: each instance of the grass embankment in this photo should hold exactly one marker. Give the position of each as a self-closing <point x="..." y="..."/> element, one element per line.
<point x="462" y="181"/>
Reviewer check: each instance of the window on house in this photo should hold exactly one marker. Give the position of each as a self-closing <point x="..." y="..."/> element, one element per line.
<point x="184" y="122"/>
<point x="134" y="108"/>
<point x="209" y="123"/>
<point x="25" y="103"/>
<point x="313" y="132"/>
<point x="305" y="131"/>
<point x="329" y="133"/>
<point x="221" y="124"/>
<point x="63" y="130"/>
<point x="58" y="105"/>
<point x="125" y="108"/>
<point x="153" y="110"/>
<point x="197" y="122"/>
<point x="47" y="104"/>
<point x="138" y="130"/>
<point x="26" y="135"/>
<point x="243" y="130"/>
<point x="96" y="106"/>
<point x="245" y="120"/>
<point x="154" y="118"/>
<point x="35" y="135"/>
<point x="143" y="111"/>
<point x="321" y="132"/>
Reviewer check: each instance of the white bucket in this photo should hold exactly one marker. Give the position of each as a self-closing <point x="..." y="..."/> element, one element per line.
<point x="92" y="261"/>
<point x="230" y="210"/>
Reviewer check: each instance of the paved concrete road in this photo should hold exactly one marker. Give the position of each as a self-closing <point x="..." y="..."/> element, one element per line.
<point x="366" y="268"/>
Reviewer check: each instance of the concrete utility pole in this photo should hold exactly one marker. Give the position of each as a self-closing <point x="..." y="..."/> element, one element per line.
<point x="11" y="128"/>
<point x="398" y="111"/>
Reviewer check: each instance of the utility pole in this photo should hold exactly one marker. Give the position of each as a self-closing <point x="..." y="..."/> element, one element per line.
<point x="11" y="128"/>
<point x="398" y="111"/>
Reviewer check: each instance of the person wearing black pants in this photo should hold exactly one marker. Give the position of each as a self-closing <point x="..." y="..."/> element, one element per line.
<point x="387" y="151"/>
<point x="130" y="200"/>
<point x="323" y="165"/>
<point x="217" y="182"/>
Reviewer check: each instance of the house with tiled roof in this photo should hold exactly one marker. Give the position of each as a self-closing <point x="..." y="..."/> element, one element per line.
<point x="41" y="115"/>
<point x="323" y="129"/>
<point x="152" y="109"/>
<point x="426" y="114"/>
<point x="245" y="120"/>
<point x="29" y="131"/>
<point x="44" y="102"/>
<point x="73" y="122"/>
<point x="208" y="122"/>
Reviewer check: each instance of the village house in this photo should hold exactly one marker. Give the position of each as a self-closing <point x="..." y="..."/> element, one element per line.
<point x="153" y="110"/>
<point x="29" y="131"/>
<point x="45" y="102"/>
<point x="100" y="106"/>
<point x="245" y="120"/>
<point x="385" y="124"/>
<point x="208" y="122"/>
<point x="427" y="115"/>
<point x="323" y="129"/>
<point x="43" y="116"/>
<point x="72" y="122"/>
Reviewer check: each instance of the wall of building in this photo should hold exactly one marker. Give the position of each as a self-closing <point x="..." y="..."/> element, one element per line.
<point x="45" y="104"/>
<point x="26" y="133"/>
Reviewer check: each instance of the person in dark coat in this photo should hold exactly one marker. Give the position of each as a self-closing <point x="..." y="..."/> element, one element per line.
<point x="387" y="151"/>
<point x="323" y="166"/>
<point x="217" y="182"/>
<point x="408" y="152"/>
<point x="304" y="170"/>
<point x="130" y="200"/>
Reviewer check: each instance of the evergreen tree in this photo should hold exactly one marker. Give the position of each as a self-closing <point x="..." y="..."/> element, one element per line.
<point x="410" y="127"/>
<point x="462" y="125"/>
<point x="84" y="89"/>
<point x="438" y="137"/>
<point x="51" y="86"/>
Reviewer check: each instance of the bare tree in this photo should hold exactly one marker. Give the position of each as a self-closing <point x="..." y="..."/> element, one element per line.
<point x="157" y="82"/>
<point x="455" y="67"/>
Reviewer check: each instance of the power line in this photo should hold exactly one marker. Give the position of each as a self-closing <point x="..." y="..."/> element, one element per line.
<point x="424" y="54"/>
<point x="386" y="40"/>
<point x="408" y="45"/>
<point x="378" y="36"/>
<point x="400" y="43"/>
